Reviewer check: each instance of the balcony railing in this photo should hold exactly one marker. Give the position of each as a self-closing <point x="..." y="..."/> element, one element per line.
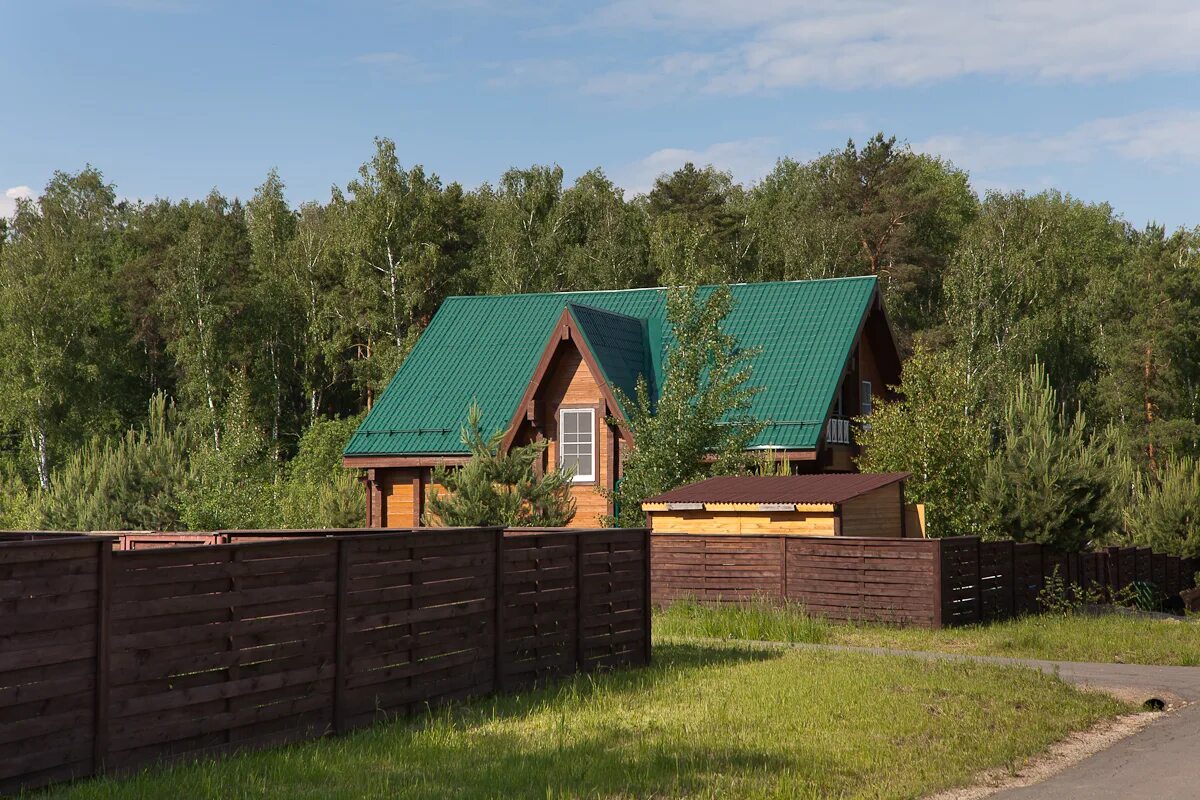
<point x="837" y="431"/>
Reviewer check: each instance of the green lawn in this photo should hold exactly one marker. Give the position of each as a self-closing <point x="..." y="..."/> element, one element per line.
<point x="706" y="720"/>
<point x="1050" y="636"/>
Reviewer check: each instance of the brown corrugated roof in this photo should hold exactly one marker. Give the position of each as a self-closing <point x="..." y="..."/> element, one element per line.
<point x="831" y="488"/>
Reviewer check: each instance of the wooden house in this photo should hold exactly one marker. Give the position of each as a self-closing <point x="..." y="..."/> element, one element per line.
<point x="545" y="366"/>
<point x="868" y="504"/>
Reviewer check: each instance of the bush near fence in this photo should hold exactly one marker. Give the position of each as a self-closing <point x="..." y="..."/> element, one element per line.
<point x="925" y="582"/>
<point x="117" y="652"/>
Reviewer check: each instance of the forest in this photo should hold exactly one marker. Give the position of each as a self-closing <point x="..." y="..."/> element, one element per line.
<point x="199" y="363"/>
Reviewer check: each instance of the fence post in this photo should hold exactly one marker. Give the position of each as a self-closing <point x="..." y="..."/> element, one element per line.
<point x="340" y="656"/>
<point x="579" y="602"/>
<point x="1012" y="579"/>
<point x="498" y="622"/>
<point x="647" y="605"/>
<point x="937" y="583"/>
<point x="783" y="594"/>
<point x="103" y="626"/>
<point x="978" y="579"/>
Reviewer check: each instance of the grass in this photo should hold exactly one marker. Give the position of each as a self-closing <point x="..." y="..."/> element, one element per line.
<point x="1059" y="637"/>
<point x="706" y="720"/>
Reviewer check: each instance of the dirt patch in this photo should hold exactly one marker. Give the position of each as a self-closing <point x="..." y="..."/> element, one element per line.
<point x="1061" y="755"/>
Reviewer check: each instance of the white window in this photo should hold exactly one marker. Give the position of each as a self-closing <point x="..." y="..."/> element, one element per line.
<point x="866" y="398"/>
<point x="577" y="442"/>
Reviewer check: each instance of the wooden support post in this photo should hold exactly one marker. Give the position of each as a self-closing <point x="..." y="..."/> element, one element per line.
<point x="1012" y="579"/>
<point x="978" y="580"/>
<point x="340" y="653"/>
<point x="498" y="621"/>
<point x="783" y="595"/>
<point x="579" y="603"/>
<point x="938" y="606"/>
<point x="103" y="628"/>
<point x="647" y="586"/>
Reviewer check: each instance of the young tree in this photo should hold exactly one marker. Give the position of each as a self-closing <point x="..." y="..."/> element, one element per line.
<point x="318" y="491"/>
<point x="1165" y="512"/>
<point x="1048" y="482"/>
<point x="136" y="482"/>
<point x="939" y="431"/>
<point x="699" y="425"/>
<point x="499" y="489"/>
<point x="233" y="486"/>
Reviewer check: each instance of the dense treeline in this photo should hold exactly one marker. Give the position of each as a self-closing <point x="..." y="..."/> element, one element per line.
<point x="254" y="331"/>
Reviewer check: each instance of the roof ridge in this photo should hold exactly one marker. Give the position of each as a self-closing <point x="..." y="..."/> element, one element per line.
<point x="606" y="312"/>
<point x="567" y="292"/>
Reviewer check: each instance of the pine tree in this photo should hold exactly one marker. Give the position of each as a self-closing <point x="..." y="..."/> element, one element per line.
<point x="136" y="482"/>
<point x="319" y="492"/>
<point x="495" y="488"/>
<point x="1165" y="512"/>
<point x="1049" y="482"/>
<point x="700" y="424"/>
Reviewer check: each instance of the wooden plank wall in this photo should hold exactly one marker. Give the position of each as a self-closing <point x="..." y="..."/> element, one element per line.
<point x="984" y="581"/>
<point x="924" y="582"/>
<point x="841" y="578"/>
<point x="118" y="658"/>
<point x="50" y="615"/>
<point x="573" y="603"/>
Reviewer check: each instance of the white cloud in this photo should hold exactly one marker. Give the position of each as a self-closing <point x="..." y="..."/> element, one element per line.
<point x="1161" y="139"/>
<point x="746" y="159"/>
<point x="8" y="203"/>
<point x="785" y="43"/>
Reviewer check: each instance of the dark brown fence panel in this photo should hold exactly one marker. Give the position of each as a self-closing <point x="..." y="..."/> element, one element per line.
<point x="717" y="567"/>
<point x="961" y="584"/>
<point x="417" y="615"/>
<point x="614" y="576"/>
<point x="540" y="612"/>
<point x="221" y="647"/>
<point x="996" y="580"/>
<point x="878" y="580"/>
<point x="50" y="622"/>
<point x="185" y="644"/>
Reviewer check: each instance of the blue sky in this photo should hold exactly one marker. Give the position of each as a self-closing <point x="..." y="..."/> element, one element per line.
<point x="174" y="97"/>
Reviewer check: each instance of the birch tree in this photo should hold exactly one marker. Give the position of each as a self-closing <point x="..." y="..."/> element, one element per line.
<point x="405" y="240"/>
<point x="58" y="332"/>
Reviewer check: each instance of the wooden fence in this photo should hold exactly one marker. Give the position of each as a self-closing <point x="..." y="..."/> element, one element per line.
<point x="113" y="658"/>
<point x="924" y="582"/>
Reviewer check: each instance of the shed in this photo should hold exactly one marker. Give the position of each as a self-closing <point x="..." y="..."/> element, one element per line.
<point x="870" y="504"/>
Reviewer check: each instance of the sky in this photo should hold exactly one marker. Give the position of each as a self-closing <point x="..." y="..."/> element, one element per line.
<point x="172" y="98"/>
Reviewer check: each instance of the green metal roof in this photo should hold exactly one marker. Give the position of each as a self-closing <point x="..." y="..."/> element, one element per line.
<point x="619" y="343"/>
<point x="487" y="348"/>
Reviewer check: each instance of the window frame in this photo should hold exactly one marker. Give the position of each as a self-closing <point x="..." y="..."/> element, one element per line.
<point x="590" y="411"/>
<point x="866" y="399"/>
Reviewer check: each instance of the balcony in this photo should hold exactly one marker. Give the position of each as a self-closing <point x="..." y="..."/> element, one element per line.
<point x="837" y="431"/>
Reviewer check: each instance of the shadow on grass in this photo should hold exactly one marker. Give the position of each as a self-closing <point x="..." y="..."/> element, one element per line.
<point x="571" y="738"/>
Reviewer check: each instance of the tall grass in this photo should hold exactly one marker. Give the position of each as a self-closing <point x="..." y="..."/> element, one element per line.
<point x="1058" y="637"/>
<point x="756" y="620"/>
